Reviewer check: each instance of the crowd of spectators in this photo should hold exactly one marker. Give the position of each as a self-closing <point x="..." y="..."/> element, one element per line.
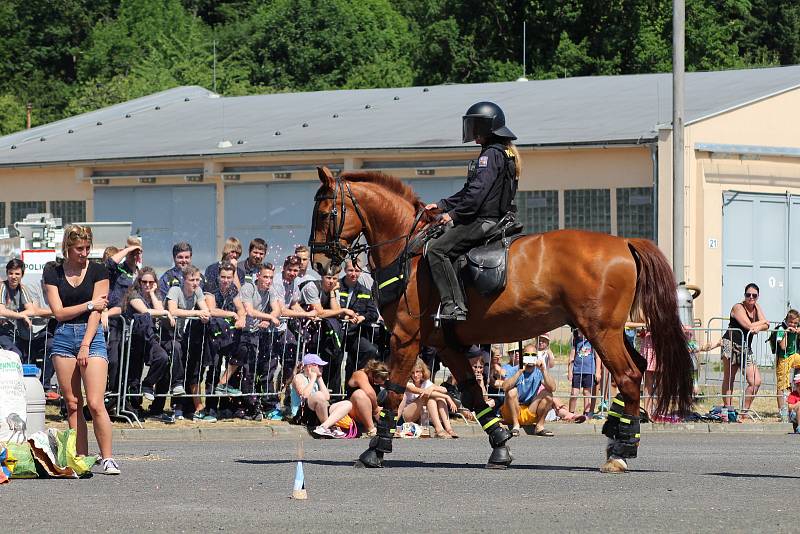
<point x="238" y="340"/>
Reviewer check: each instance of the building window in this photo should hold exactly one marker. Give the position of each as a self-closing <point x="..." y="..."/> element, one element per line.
<point x="635" y="212"/>
<point x="588" y="209"/>
<point x="70" y="211"/>
<point x="20" y="209"/>
<point x="538" y="210"/>
<point x="2" y="214"/>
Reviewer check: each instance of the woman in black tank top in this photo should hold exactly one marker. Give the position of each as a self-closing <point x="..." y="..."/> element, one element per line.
<point x="746" y="320"/>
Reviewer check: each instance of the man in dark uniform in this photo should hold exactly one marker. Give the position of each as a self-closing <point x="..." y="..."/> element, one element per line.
<point x="487" y="195"/>
<point x="355" y="296"/>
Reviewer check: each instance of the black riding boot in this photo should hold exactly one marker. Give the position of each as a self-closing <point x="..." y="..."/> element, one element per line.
<point x="444" y="276"/>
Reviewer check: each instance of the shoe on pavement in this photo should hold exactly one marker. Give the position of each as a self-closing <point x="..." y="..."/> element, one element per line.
<point x="323" y="432"/>
<point x="337" y="432"/>
<point x="206" y="417"/>
<point x="110" y="466"/>
<point x="148" y="393"/>
<point x="52" y="395"/>
<point x="179" y="414"/>
<point x="162" y="418"/>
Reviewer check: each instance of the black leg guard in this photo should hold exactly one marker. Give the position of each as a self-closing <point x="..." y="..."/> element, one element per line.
<point x="498" y="436"/>
<point x="380" y="444"/>
<point x="623" y="432"/>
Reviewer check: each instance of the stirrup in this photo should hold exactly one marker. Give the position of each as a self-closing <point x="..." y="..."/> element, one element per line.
<point x="456" y="315"/>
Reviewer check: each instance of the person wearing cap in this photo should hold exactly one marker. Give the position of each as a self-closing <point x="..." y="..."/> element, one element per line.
<point x="793" y="401"/>
<point x="310" y="400"/>
<point x="486" y="197"/>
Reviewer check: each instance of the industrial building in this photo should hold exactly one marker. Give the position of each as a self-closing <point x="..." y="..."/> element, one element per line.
<point x="187" y="164"/>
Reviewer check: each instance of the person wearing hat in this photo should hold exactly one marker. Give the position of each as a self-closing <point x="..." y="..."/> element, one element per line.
<point x="310" y="400"/>
<point x="793" y="401"/>
<point x="486" y="197"/>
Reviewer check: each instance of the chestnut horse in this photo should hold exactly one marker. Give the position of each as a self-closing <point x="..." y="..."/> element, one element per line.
<point x="590" y="280"/>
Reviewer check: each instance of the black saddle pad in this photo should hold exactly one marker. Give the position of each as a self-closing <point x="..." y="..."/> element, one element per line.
<point x="484" y="267"/>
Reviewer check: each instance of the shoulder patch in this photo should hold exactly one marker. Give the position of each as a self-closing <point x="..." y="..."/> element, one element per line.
<point x="483" y="161"/>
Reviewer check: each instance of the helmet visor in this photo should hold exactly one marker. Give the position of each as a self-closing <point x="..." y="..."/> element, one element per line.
<point x="473" y="127"/>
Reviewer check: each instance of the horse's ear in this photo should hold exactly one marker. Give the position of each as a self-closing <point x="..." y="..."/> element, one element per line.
<point x="325" y="176"/>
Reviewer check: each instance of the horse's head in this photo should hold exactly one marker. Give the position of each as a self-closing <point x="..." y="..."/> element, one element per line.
<point x="332" y="231"/>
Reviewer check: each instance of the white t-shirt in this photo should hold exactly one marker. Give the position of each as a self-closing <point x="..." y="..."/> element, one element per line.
<point x="411" y="397"/>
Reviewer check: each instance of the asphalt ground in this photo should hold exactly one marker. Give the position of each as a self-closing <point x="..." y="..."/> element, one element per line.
<point x="682" y="482"/>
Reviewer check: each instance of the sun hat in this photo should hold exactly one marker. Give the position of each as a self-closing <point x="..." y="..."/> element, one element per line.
<point x="309" y="359"/>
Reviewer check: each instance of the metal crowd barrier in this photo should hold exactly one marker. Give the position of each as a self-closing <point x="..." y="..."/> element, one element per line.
<point x="286" y="345"/>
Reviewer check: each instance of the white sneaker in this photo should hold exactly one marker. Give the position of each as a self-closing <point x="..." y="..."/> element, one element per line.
<point x="110" y="466"/>
<point x="178" y="391"/>
<point x="337" y="432"/>
<point x="324" y="432"/>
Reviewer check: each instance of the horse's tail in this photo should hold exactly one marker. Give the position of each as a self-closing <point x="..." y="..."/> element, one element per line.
<point x="656" y="298"/>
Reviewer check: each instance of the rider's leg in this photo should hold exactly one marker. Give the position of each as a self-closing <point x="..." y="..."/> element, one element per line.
<point x="440" y="253"/>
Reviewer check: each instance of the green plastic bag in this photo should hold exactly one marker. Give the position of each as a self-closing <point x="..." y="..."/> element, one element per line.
<point x="24" y="465"/>
<point x="68" y="456"/>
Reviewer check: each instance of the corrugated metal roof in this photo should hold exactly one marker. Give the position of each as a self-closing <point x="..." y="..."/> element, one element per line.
<point x="190" y="121"/>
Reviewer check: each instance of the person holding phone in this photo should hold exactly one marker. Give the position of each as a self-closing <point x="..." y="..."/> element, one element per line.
<point x="77" y="291"/>
<point x="525" y="404"/>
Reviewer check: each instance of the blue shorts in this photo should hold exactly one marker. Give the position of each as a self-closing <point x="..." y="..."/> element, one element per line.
<point x="585" y="381"/>
<point x="69" y="336"/>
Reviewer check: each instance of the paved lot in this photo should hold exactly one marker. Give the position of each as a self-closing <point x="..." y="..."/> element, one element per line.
<point x="737" y="482"/>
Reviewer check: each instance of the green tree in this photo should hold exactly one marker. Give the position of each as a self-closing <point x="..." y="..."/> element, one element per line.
<point x="310" y="45"/>
<point x="12" y="115"/>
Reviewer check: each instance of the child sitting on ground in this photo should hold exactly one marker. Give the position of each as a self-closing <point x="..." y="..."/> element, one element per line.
<point x="793" y="400"/>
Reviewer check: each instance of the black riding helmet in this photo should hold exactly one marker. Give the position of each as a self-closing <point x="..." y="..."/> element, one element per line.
<point x="482" y="119"/>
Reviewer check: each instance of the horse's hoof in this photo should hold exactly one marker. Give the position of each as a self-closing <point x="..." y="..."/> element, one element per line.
<point x="490" y="465"/>
<point x="614" y="465"/>
<point x="500" y="458"/>
<point x="369" y="459"/>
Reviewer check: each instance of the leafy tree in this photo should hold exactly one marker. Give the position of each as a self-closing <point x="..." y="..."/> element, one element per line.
<point x="12" y="115"/>
<point x="310" y="45"/>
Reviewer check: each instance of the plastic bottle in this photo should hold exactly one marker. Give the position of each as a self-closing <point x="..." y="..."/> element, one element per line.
<point x="784" y="410"/>
<point x="424" y="419"/>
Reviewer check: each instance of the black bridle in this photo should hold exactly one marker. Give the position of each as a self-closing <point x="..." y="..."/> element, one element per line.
<point x="336" y="248"/>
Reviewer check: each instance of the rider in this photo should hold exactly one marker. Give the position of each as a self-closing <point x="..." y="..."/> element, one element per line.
<point x="485" y="198"/>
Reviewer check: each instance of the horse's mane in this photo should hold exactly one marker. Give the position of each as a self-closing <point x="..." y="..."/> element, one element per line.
<point x="392" y="184"/>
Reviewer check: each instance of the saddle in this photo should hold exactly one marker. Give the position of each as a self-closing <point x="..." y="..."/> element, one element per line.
<point x="484" y="267"/>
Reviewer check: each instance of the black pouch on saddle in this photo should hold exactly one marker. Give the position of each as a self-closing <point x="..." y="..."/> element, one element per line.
<point x="485" y="267"/>
<point x="391" y="281"/>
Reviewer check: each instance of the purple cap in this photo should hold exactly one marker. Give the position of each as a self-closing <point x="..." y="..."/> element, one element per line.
<point x="313" y="358"/>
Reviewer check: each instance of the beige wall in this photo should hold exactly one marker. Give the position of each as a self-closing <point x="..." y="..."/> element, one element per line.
<point x="771" y="122"/>
<point x="49" y="183"/>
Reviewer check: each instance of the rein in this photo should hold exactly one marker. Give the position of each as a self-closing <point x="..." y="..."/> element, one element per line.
<point x="338" y="250"/>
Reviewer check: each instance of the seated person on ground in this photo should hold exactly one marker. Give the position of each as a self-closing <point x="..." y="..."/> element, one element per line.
<point x="561" y="409"/>
<point x="322" y="297"/>
<point x="311" y="400"/>
<point x="523" y="405"/>
<point x="363" y="388"/>
<point x="421" y="394"/>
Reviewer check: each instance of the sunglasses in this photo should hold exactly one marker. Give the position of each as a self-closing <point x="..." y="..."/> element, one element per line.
<point x="148" y="281"/>
<point x="529" y="354"/>
<point x="751" y="295"/>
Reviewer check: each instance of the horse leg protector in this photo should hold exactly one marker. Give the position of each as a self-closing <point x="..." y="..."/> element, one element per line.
<point x="381" y="443"/>
<point x="623" y="432"/>
<point x="498" y="436"/>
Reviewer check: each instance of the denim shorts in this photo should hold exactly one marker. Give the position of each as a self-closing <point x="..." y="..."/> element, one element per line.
<point x="69" y="336"/>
